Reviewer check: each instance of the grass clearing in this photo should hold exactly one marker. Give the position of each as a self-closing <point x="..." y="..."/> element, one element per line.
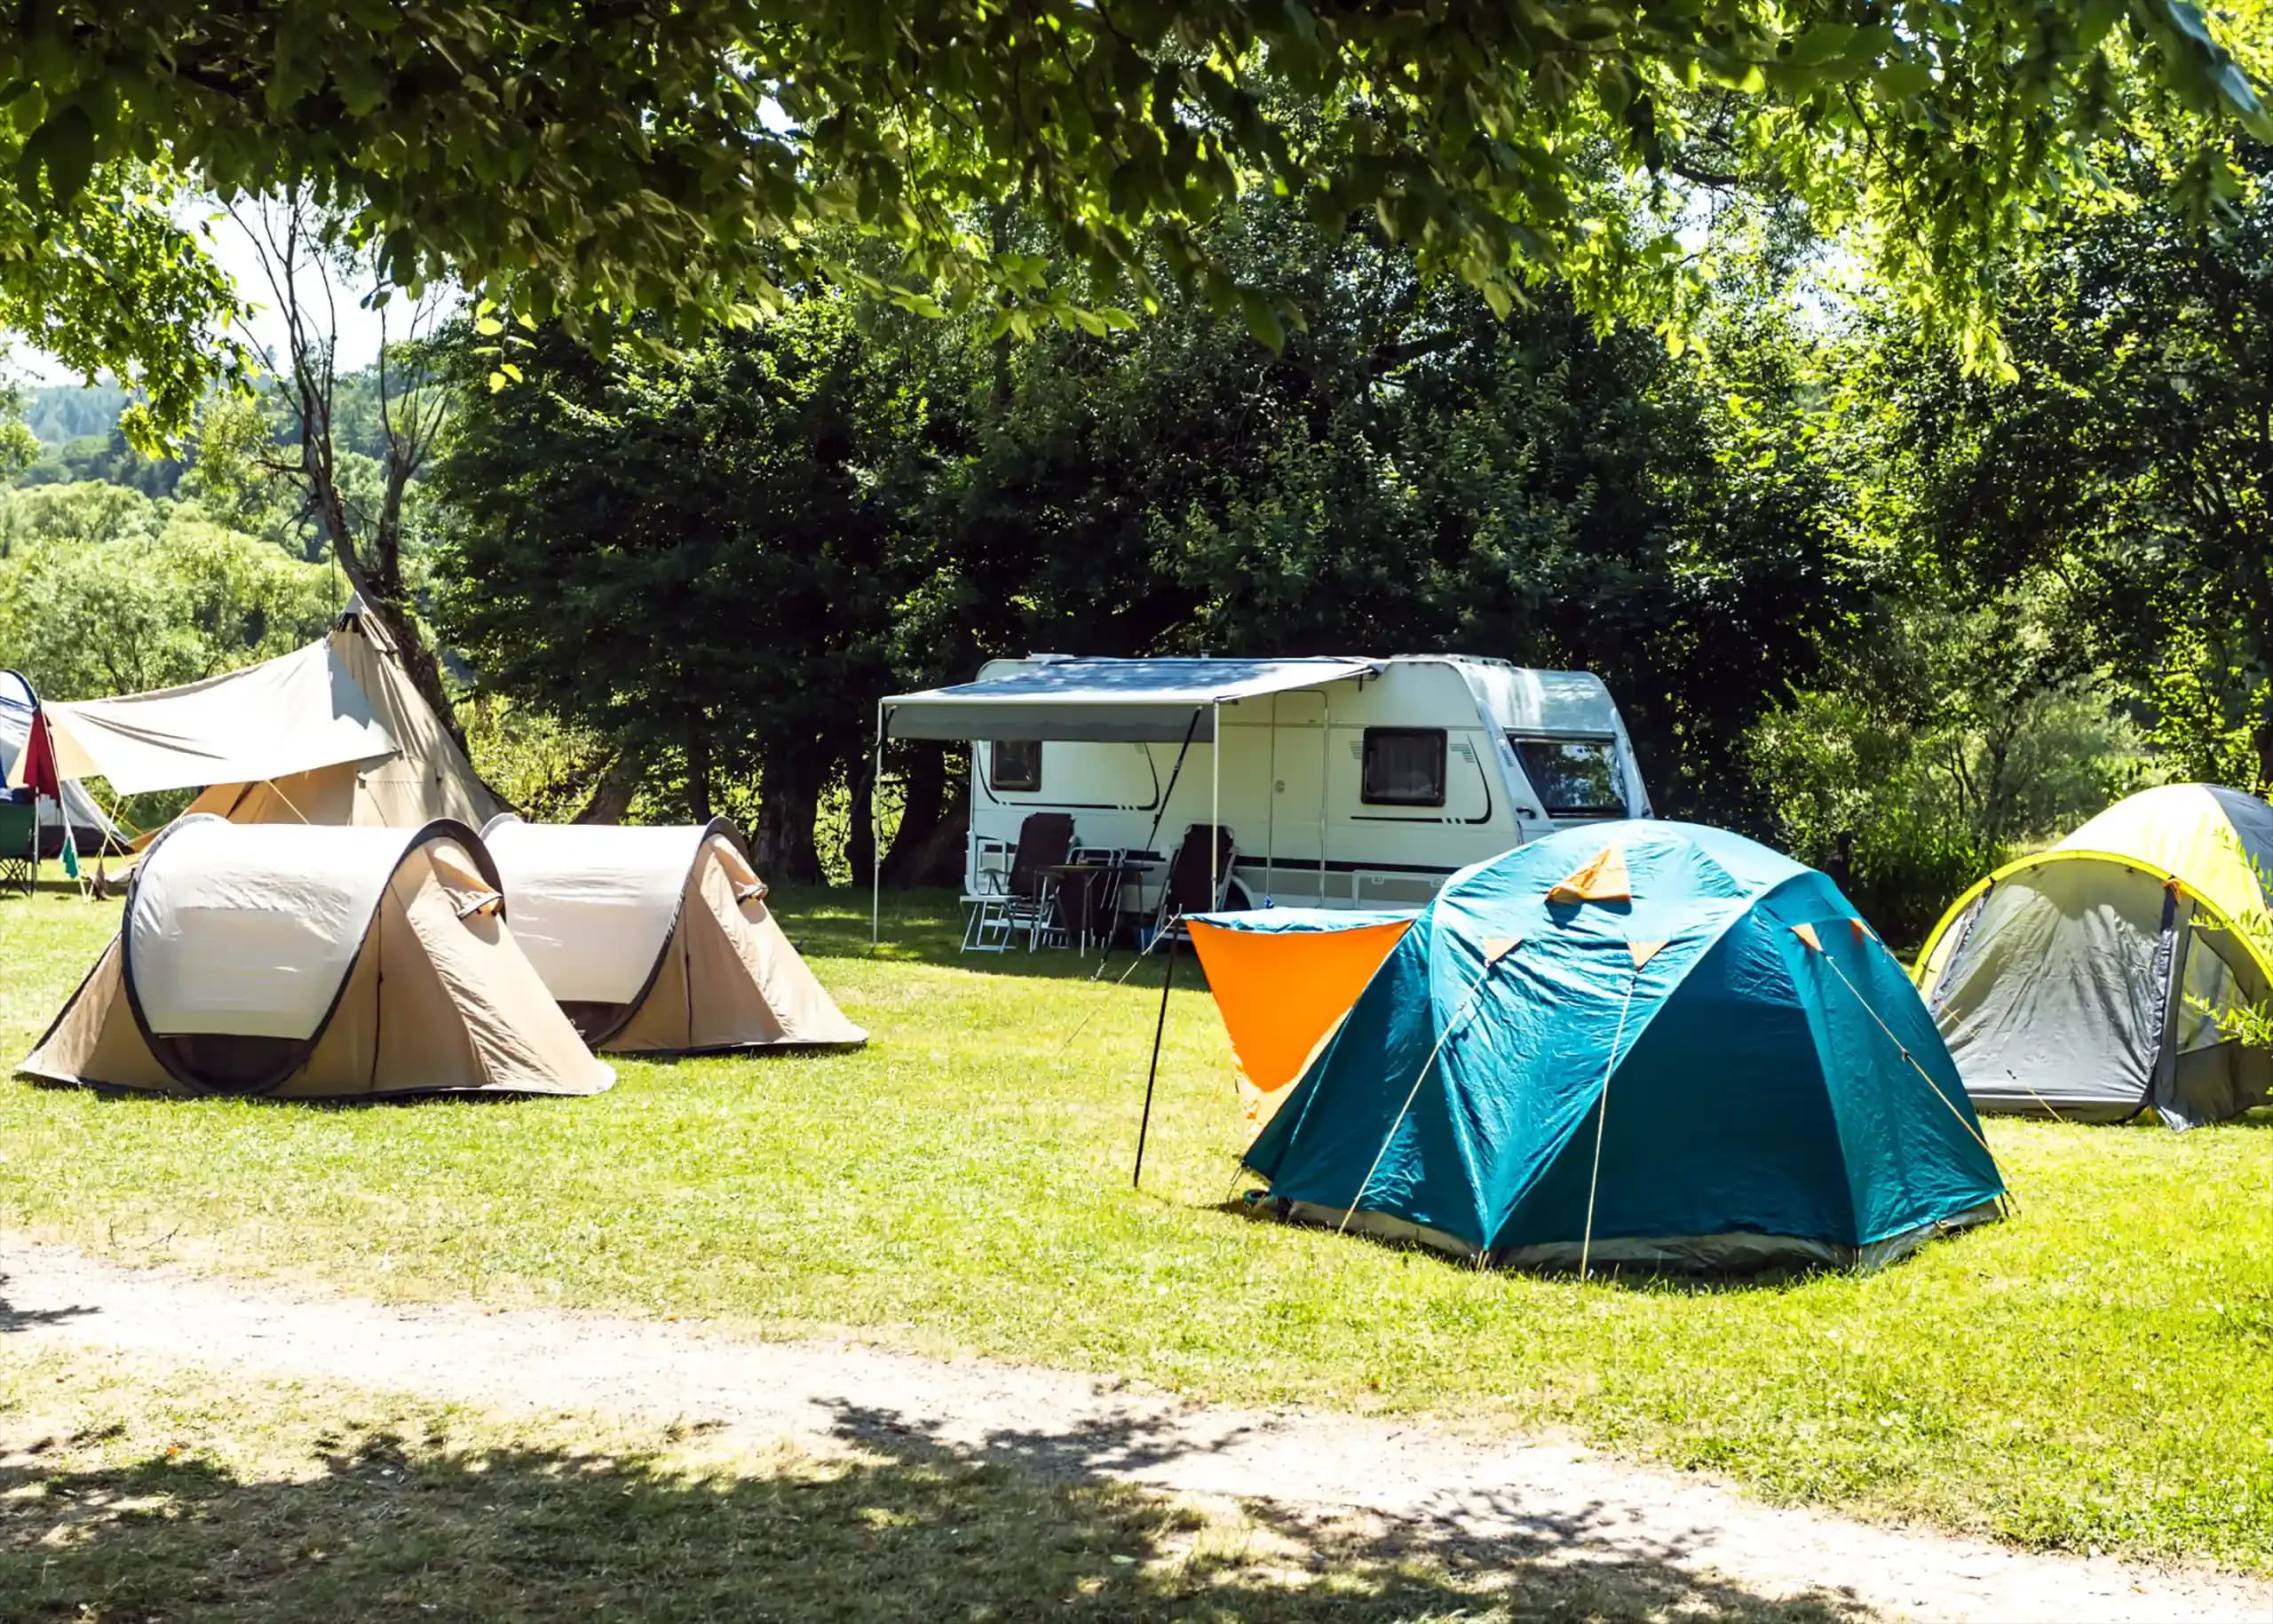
<point x="2097" y="1375"/>
<point x="187" y="1496"/>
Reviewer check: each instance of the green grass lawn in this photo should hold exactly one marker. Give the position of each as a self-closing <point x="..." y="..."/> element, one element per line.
<point x="2098" y="1373"/>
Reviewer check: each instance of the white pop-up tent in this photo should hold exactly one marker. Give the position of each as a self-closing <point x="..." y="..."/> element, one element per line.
<point x="657" y="940"/>
<point x="315" y="963"/>
<point x="331" y="733"/>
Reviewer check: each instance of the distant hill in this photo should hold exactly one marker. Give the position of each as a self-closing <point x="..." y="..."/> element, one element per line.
<point x="60" y="413"/>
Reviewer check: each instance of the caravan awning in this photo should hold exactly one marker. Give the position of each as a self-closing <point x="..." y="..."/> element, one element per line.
<point x="1105" y="702"/>
<point x="292" y="714"/>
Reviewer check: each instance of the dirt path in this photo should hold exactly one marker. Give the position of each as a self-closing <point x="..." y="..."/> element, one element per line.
<point x="1531" y="1497"/>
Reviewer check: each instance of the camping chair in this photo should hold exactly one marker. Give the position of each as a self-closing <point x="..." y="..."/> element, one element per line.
<point x="990" y="883"/>
<point x="19" y="842"/>
<point x="1189" y="889"/>
<point x="1029" y="900"/>
<point x="1089" y="899"/>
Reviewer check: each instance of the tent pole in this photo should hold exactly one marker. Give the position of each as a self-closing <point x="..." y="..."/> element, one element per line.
<point x="1270" y="811"/>
<point x="1161" y="811"/>
<point x="1405" y="1109"/>
<point x="1144" y="1127"/>
<point x="1215" y="805"/>
<point x="1601" y="1120"/>
<point x="1174" y="772"/>
<point x="1325" y="771"/>
<point x="877" y="845"/>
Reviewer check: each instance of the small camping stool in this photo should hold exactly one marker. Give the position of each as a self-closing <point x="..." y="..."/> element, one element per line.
<point x="19" y="842"/>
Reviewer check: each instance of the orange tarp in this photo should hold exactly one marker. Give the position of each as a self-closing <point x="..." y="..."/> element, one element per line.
<point x="1282" y="993"/>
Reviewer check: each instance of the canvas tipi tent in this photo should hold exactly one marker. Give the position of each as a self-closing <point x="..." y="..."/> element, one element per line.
<point x="657" y="940"/>
<point x="315" y="963"/>
<point x="1643" y="1042"/>
<point x="2084" y="982"/>
<point x="331" y="733"/>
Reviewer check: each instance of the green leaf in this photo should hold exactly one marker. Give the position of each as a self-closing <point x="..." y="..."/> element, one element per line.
<point x="64" y="147"/>
<point x="1263" y="321"/>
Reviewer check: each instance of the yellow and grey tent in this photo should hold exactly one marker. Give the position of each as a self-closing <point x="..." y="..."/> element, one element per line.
<point x="315" y="963"/>
<point x="657" y="940"/>
<point x="2086" y="981"/>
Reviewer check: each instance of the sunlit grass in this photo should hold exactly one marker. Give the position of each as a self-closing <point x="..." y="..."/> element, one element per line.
<point x="2097" y="1373"/>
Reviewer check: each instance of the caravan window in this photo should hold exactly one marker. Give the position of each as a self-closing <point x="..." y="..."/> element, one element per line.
<point x="1014" y="764"/>
<point x="1575" y="778"/>
<point x="1404" y="766"/>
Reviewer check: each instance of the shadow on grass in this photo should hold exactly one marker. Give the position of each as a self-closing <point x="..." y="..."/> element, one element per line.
<point x="384" y="1526"/>
<point x="1479" y="1553"/>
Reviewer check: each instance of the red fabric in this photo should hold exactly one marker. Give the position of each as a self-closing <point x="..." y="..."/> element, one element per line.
<point x="39" y="761"/>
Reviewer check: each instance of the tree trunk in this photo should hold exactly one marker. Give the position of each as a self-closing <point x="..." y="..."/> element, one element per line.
<point x="784" y="842"/>
<point x="926" y="784"/>
<point x="939" y="859"/>
<point x="611" y="798"/>
<point x="861" y="839"/>
<point x="2261" y="601"/>
<point x="382" y="596"/>
<point x="419" y="664"/>
<point x="933" y="854"/>
<point x="698" y="772"/>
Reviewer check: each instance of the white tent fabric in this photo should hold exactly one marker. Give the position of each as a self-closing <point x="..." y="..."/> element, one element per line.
<point x="592" y="906"/>
<point x="292" y="714"/>
<point x="253" y="934"/>
<point x="1105" y="701"/>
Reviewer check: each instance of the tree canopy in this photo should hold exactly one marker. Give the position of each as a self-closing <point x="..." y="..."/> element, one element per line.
<point x="2132" y="460"/>
<point x="584" y="158"/>
<point x="718" y="562"/>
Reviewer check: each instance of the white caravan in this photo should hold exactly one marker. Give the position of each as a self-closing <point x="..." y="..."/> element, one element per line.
<point x="1344" y="782"/>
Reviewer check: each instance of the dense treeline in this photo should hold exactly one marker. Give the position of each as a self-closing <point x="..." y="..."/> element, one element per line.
<point x="719" y="564"/>
<point x="1839" y="583"/>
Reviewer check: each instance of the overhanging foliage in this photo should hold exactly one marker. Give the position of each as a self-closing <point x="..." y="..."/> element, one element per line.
<point x="589" y="157"/>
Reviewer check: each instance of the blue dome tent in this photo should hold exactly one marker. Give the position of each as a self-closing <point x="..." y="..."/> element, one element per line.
<point x="1644" y="1042"/>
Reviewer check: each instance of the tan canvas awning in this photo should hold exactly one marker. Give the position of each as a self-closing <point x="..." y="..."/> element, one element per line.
<point x="292" y="714"/>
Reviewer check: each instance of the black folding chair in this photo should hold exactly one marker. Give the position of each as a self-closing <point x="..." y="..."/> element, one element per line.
<point x="1199" y="878"/>
<point x="1028" y="901"/>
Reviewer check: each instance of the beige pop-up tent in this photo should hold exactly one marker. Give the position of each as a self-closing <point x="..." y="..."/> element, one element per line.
<point x="331" y="733"/>
<point x="315" y="963"/>
<point x="658" y="940"/>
